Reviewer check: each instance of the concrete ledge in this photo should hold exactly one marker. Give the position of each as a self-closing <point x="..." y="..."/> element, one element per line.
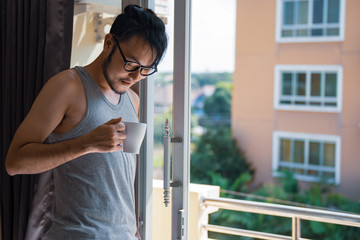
<point x="198" y="215"/>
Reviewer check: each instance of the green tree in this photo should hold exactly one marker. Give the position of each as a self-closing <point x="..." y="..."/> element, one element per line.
<point x="217" y="107"/>
<point x="219" y="103"/>
<point x="218" y="160"/>
<point x="159" y="124"/>
<point x="318" y="195"/>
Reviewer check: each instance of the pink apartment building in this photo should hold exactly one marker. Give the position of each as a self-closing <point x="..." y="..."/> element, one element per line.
<point x="296" y="95"/>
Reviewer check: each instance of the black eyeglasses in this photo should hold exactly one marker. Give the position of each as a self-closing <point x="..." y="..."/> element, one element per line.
<point x="132" y="66"/>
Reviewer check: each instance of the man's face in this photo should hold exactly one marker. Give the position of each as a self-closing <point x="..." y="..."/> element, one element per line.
<point x="134" y="50"/>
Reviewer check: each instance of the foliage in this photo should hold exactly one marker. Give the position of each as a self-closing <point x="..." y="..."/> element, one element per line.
<point x="219" y="103"/>
<point x="159" y="123"/>
<point x="218" y="160"/>
<point x="318" y="195"/>
<point x="217" y="107"/>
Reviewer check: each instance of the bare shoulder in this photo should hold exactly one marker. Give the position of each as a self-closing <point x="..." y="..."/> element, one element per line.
<point x="135" y="99"/>
<point x="50" y="107"/>
<point x="67" y="80"/>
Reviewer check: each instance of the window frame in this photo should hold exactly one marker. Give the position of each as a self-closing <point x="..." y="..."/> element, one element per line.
<point x="306" y="137"/>
<point x="323" y="69"/>
<point x="279" y="21"/>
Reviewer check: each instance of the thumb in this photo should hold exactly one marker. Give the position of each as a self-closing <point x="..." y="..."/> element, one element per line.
<point x="114" y="121"/>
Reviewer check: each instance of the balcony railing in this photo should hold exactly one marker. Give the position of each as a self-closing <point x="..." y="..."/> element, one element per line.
<point x="295" y="213"/>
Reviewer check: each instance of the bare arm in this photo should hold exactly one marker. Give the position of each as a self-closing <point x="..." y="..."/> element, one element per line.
<point x="29" y="155"/>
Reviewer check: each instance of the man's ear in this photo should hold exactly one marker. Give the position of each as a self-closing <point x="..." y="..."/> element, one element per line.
<point x="108" y="42"/>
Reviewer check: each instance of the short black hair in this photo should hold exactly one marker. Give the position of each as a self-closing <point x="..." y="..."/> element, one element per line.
<point x="141" y="22"/>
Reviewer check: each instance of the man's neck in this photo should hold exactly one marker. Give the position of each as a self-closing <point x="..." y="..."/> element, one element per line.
<point x="95" y="70"/>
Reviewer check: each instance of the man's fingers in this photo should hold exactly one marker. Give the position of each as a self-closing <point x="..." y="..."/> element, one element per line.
<point x="119" y="127"/>
<point x="121" y="135"/>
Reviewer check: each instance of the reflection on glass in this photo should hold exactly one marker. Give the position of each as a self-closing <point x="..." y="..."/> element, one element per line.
<point x="285" y="150"/>
<point x="329" y="154"/>
<point x="313" y="173"/>
<point x="163" y="95"/>
<point x="162" y="111"/>
<point x="333" y="13"/>
<point x="283" y="169"/>
<point x="315" y="84"/>
<point x="316" y="32"/>
<point x="332" y="32"/>
<point x="332" y="104"/>
<point x="299" y="151"/>
<point x="330" y="84"/>
<point x="300" y="103"/>
<point x="286" y="84"/>
<point x="318" y="6"/>
<point x="314" y="153"/>
<point x="287" y="33"/>
<point x="301" y="84"/>
<point x="163" y="91"/>
<point x="301" y="32"/>
<point x="328" y="175"/>
<point x="285" y="102"/>
<point x="288" y="13"/>
<point x="302" y="15"/>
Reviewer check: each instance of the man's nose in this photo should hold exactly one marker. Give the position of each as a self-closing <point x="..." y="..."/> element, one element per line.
<point x="136" y="76"/>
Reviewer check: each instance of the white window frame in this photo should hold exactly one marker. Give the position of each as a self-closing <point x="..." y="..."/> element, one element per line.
<point x="308" y="69"/>
<point x="279" y="20"/>
<point x="181" y="130"/>
<point x="277" y="135"/>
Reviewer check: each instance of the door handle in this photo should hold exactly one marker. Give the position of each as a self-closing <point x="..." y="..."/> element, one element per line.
<point x="167" y="167"/>
<point x="166" y="163"/>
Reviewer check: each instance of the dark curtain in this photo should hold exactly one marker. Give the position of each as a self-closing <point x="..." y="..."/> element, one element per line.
<point x="36" y="38"/>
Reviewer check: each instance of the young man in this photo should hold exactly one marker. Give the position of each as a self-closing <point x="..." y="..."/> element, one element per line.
<point x="75" y="128"/>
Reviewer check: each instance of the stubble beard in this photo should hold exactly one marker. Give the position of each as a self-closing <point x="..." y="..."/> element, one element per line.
<point x="105" y="66"/>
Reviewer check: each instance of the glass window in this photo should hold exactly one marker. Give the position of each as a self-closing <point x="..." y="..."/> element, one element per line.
<point x="308" y="88"/>
<point x="329" y="154"/>
<point x="315" y="84"/>
<point x="285" y="150"/>
<point x="333" y="15"/>
<point x="288" y="13"/>
<point x="301" y="82"/>
<point x="299" y="151"/>
<point x="310" y="157"/>
<point x="310" y="20"/>
<point x="314" y="153"/>
<point x="330" y="84"/>
<point x="302" y="13"/>
<point x="318" y="7"/>
<point x="286" y="84"/>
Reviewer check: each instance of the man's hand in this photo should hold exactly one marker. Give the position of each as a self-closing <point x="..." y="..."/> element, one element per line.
<point x="107" y="137"/>
<point x="137" y="234"/>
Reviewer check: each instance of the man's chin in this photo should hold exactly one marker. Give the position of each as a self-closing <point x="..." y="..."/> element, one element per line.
<point x="119" y="92"/>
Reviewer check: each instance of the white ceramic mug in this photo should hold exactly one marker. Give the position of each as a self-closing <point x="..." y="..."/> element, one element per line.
<point x="135" y="133"/>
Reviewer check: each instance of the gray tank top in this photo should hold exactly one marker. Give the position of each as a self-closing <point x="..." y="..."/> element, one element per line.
<point x="94" y="194"/>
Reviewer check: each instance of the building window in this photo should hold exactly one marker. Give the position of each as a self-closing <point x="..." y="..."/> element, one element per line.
<point x="308" y="88"/>
<point x="310" y="20"/>
<point x="310" y="157"/>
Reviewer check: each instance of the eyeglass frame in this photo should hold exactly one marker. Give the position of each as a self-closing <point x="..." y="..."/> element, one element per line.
<point x="126" y="62"/>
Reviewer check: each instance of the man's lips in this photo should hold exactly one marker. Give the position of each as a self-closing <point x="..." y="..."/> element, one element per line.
<point x="126" y="81"/>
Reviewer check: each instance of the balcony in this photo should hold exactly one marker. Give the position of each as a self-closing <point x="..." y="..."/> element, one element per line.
<point x="204" y="200"/>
